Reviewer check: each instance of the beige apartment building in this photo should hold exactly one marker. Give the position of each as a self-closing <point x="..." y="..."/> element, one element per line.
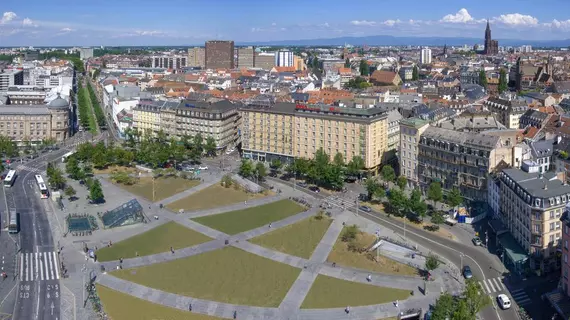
<point x="288" y="131"/>
<point x="508" y="111"/>
<point x="219" y="120"/>
<point x="410" y="131"/>
<point x="34" y="123"/>
<point x="531" y="206"/>
<point x="196" y="57"/>
<point x="462" y="159"/>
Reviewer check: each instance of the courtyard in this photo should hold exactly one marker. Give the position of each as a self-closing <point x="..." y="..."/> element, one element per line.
<point x="212" y="197"/>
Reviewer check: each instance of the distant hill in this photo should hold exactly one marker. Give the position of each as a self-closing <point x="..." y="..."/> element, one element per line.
<point x="385" y="40"/>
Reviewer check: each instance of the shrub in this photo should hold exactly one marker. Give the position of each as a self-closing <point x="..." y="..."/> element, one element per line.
<point x="350" y="233"/>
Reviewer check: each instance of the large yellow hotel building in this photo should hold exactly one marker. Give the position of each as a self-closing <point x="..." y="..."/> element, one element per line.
<point x="288" y="130"/>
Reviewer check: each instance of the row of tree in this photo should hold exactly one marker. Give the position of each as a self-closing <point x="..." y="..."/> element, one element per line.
<point x="58" y="181"/>
<point x="84" y="107"/>
<point x="99" y="114"/>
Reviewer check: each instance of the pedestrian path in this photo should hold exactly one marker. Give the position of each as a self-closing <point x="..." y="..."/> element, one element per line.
<point x="520" y="297"/>
<point x="188" y="192"/>
<point x="40" y="266"/>
<point x="493" y="285"/>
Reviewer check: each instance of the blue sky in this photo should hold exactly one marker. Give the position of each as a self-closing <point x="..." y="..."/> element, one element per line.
<point x="187" y="22"/>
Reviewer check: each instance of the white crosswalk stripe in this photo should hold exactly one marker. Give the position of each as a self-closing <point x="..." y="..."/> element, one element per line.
<point x="492" y="285"/>
<point x="520" y="297"/>
<point x="30" y="169"/>
<point x="39" y="266"/>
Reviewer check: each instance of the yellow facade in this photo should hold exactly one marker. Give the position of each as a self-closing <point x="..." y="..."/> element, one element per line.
<point x="290" y="133"/>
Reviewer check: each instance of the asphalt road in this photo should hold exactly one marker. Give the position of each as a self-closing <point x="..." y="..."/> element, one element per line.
<point x="482" y="264"/>
<point x="38" y="292"/>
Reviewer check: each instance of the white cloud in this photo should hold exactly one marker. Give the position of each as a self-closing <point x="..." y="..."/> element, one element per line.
<point x="28" y="23"/>
<point x="462" y="16"/>
<point x="273" y="24"/>
<point x="7" y="17"/>
<point x="66" y="30"/>
<point x="391" y="23"/>
<point x="363" y="23"/>
<point x="516" y="19"/>
<point x="149" y="33"/>
<point x="559" y="24"/>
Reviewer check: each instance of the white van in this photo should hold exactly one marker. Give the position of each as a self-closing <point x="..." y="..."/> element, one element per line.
<point x="504" y="301"/>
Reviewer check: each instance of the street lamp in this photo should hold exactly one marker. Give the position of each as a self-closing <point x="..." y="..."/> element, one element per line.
<point x="461" y="255"/>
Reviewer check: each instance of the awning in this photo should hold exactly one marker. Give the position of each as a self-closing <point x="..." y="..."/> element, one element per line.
<point x="513" y="250"/>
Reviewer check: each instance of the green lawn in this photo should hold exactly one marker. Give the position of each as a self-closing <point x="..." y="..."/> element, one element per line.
<point x="120" y="306"/>
<point x="227" y="275"/>
<point x="328" y="292"/>
<point x="157" y="240"/>
<point x="299" y="239"/>
<point x="163" y="187"/>
<point x="235" y="222"/>
<point x="344" y="257"/>
<point x="212" y="197"/>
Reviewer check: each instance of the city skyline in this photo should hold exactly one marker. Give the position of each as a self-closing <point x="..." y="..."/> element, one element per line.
<point x="111" y="23"/>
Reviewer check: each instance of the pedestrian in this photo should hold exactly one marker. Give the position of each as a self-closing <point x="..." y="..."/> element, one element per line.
<point x="235" y="314"/>
<point x="270" y="225"/>
<point x="369" y="278"/>
<point x="172" y="250"/>
<point x="121" y="260"/>
<point x="190" y="307"/>
<point x="136" y="253"/>
<point x="334" y="265"/>
<point x="347" y="310"/>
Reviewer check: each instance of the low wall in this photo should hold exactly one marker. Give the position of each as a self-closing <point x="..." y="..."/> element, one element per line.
<point x="247" y="184"/>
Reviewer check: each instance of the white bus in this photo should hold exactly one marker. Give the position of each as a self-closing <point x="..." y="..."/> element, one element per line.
<point x="14" y="226"/>
<point x="42" y="185"/>
<point x="9" y="179"/>
<point x="67" y="155"/>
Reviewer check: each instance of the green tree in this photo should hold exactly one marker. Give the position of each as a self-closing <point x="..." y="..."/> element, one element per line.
<point x="444" y="307"/>
<point x="398" y="201"/>
<point x="276" y="164"/>
<point x="355" y="166"/>
<point x="372" y="188"/>
<point x="432" y="262"/>
<point x="503" y="86"/>
<point x="210" y="146"/>
<point x="57" y="180"/>
<point x="72" y="168"/>
<point x="483" y="79"/>
<point x="246" y="169"/>
<point x="437" y="218"/>
<point x="349" y="233"/>
<point x="454" y="197"/>
<point x="435" y="193"/>
<point x="260" y="171"/>
<point x="380" y="193"/>
<point x="475" y="298"/>
<point x="347" y="63"/>
<point x="364" y="68"/>
<point x="315" y="62"/>
<point x="338" y="159"/>
<point x="402" y="182"/>
<point x="96" y="192"/>
<point x="415" y="74"/>
<point x="70" y="192"/>
<point x="388" y="173"/>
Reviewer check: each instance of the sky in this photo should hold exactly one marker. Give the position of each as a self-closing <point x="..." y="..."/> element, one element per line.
<point x="190" y="22"/>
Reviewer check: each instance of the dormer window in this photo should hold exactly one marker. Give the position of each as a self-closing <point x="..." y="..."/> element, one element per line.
<point x="557" y="200"/>
<point x="551" y="201"/>
<point x="537" y="202"/>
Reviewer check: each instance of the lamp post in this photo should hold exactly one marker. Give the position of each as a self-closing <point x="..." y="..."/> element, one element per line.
<point x="461" y="255"/>
<point x="153" y="190"/>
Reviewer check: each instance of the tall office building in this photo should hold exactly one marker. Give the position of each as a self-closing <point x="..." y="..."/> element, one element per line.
<point x="10" y="78"/>
<point x="264" y="60"/>
<point x="169" y="62"/>
<point x="196" y="57"/>
<point x="425" y="56"/>
<point x="246" y="57"/>
<point x="284" y="59"/>
<point x="220" y="54"/>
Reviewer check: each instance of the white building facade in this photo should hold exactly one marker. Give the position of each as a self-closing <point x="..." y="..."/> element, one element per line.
<point x="425" y="56"/>
<point x="284" y="58"/>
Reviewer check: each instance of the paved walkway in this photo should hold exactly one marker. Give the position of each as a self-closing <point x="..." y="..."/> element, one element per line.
<point x="188" y="192"/>
<point x="310" y="268"/>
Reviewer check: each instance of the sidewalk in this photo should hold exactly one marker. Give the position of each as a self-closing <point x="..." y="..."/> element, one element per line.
<point x="185" y="193"/>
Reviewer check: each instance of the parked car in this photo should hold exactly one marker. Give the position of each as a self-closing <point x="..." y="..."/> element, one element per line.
<point x="503" y="301"/>
<point x="365" y="208"/>
<point x="203" y="167"/>
<point x="315" y="189"/>
<point x="477" y="241"/>
<point x="302" y="184"/>
<point x="467" y="272"/>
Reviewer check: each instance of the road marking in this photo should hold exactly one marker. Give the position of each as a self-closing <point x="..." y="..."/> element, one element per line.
<point x="50" y="266"/>
<point x="41" y="269"/>
<point x="486" y="286"/>
<point x="31" y="257"/>
<point x="21" y="266"/>
<point x="496" y="282"/>
<point x="491" y="284"/>
<point x="56" y="266"/>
